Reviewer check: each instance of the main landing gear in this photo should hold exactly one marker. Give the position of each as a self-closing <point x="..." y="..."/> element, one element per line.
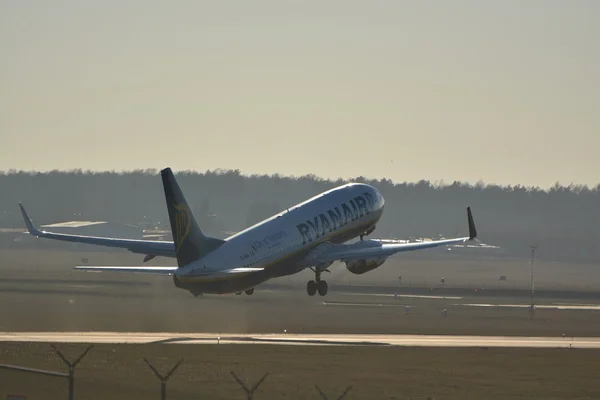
<point x="312" y="287"/>
<point x="249" y="292"/>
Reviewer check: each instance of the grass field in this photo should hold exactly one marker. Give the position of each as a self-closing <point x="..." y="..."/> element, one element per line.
<point x="40" y="292"/>
<point x="272" y="312"/>
<point x="417" y="269"/>
<point x="118" y="372"/>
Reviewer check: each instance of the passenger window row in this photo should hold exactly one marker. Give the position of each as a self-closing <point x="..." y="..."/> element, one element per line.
<point x="277" y="249"/>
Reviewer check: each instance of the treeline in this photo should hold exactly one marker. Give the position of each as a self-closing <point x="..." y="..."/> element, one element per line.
<point x="563" y="221"/>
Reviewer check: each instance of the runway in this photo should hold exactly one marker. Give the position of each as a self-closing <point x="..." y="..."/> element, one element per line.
<point x="302" y="339"/>
<point x="562" y="306"/>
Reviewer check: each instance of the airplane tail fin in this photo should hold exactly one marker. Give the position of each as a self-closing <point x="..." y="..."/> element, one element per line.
<point x="190" y="242"/>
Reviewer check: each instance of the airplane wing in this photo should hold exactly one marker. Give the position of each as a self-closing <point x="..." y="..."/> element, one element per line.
<point x="211" y="273"/>
<point x="144" y="270"/>
<point x="375" y="249"/>
<point x="151" y="248"/>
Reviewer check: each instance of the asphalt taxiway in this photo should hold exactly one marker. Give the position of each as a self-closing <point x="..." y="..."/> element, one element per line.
<point x="303" y="339"/>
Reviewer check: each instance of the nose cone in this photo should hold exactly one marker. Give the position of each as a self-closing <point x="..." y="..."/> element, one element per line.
<point x="378" y="200"/>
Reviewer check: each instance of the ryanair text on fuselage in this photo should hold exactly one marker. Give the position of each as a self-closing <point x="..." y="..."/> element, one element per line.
<point x="336" y="218"/>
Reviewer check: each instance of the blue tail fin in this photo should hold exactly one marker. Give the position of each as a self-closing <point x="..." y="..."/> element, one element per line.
<point x="191" y="243"/>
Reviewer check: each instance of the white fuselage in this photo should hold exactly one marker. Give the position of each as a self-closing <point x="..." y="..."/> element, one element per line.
<point x="279" y="244"/>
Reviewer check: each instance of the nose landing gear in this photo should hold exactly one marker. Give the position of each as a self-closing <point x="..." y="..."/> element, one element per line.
<point x="367" y="233"/>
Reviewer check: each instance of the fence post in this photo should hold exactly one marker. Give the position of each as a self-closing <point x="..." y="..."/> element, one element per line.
<point x="324" y="397"/>
<point x="163" y="379"/>
<point x="249" y="392"/>
<point x="71" y="367"/>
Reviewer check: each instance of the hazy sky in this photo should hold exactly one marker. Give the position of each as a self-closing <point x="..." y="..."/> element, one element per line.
<point x="504" y="91"/>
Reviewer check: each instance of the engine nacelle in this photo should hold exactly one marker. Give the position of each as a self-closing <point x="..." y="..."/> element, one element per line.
<point x="359" y="267"/>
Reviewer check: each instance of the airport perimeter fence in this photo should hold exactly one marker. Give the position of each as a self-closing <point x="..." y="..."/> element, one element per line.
<point x="246" y="391"/>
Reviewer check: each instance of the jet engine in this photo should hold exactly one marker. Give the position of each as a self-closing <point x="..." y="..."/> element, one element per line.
<point x="359" y="267"/>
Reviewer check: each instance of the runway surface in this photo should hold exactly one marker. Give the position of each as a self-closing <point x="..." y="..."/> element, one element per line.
<point x="561" y="306"/>
<point x="303" y="339"/>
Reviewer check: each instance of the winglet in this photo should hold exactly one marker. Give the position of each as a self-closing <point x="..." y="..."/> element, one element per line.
<point x="30" y="227"/>
<point x="472" y="228"/>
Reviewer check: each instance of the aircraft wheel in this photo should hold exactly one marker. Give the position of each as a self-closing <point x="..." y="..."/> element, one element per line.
<point x="250" y="292"/>
<point x="311" y="288"/>
<point x="322" y="287"/>
<point x="238" y="293"/>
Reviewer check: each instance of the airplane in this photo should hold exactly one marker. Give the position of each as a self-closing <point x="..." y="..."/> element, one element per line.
<point x="310" y="235"/>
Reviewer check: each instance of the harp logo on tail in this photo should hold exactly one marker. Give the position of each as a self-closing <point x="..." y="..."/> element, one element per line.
<point x="183" y="223"/>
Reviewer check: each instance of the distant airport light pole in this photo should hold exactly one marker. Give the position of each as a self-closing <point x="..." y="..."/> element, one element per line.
<point x="533" y="248"/>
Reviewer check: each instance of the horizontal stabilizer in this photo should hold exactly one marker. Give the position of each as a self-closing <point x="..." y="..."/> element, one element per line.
<point x="223" y="272"/>
<point x="144" y="270"/>
<point x="241" y="270"/>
